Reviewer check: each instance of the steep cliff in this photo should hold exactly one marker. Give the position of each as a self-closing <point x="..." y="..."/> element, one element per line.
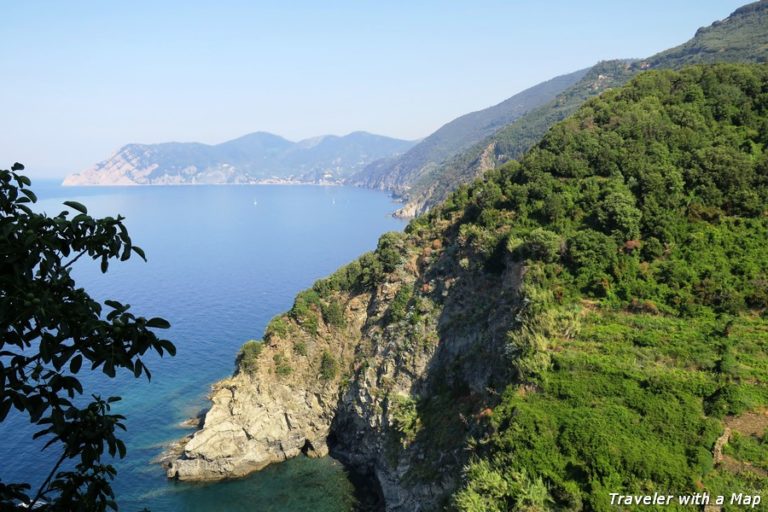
<point x="391" y="345"/>
<point x="586" y="321"/>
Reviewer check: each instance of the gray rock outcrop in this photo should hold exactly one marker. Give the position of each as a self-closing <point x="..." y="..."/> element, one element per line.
<point x="251" y="425"/>
<point x="404" y="402"/>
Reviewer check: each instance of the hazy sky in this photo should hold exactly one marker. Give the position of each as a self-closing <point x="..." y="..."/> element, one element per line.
<point x="80" y="79"/>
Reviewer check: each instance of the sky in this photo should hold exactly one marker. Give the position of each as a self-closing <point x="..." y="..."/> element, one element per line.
<point x="82" y="78"/>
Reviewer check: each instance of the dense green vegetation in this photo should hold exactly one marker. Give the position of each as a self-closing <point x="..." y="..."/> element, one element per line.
<point x="329" y="368"/>
<point x="595" y="313"/>
<point x="643" y="221"/>
<point x="514" y="139"/>
<point x="249" y="354"/>
<point x="631" y="403"/>
<point x="742" y="37"/>
<point x="654" y="192"/>
<point x="641" y="332"/>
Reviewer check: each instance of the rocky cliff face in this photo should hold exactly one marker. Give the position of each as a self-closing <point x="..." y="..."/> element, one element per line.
<point x="251" y="425"/>
<point x="416" y="355"/>
<point x="276" y="408"/>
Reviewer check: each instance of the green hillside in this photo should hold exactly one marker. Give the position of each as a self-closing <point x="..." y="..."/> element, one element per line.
<point x="590" y="320"/>
<point x="742" y="37"/>
<point x="516" y="138"/>
<point x="642" y="221"/>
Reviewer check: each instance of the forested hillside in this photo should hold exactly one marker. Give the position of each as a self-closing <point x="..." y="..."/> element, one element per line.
<point x="590" y="320"/>
<point x="742" y="37"/>
<point x="642" y="223"/>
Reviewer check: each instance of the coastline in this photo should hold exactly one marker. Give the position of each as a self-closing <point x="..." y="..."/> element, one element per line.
<point x="253" y="183"/>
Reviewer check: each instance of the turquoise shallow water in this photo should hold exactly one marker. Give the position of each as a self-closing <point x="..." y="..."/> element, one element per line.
<point x="222" y="261"/>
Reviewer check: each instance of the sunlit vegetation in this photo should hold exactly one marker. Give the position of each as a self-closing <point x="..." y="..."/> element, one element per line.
<point x="642" y="221"/>
<point x="282" y="365"/>
<point x="639" y="330"/>
<point x="249" y="355"/>
<point x="329" y="367"/>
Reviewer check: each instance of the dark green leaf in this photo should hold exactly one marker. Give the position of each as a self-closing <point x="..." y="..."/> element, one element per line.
<point x="168" y="346"/>
<point x="76" y="206"/>
<point x="121" y="448"/>
<point x="158" y="323"/>
<point x="31" y="195"/>
<point x="75" y="363"/>
<point x="5" y="406"/>
<point x="113" y="304"/>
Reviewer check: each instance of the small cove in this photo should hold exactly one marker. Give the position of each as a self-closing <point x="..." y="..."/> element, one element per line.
<point x="222" y="261"/>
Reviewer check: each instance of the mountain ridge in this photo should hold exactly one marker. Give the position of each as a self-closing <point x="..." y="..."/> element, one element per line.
<point x="741" y="37"/>
<point x="258" y="157"/>
<point x="458" y="134"/>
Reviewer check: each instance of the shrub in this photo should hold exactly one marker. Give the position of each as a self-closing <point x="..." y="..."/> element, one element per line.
<point x="300" y="347"/>
<point x="487" y="489"/>
<point x="619" y="216"/>
<point x="389" y="250"/>
<point x="278" y="326"/>
<point x="398" y="308"/>
<point x="333" y="313"/>
<point x="544" y="245"/>
<point x="305" y="310"/>
<point x="282" y="366"/>
<point x="371" y="270"/>
<point x="329" y="368"/>
<point x="249" y="354"/>
<point x="404" y="418"/>
<point x="591" y="256"/>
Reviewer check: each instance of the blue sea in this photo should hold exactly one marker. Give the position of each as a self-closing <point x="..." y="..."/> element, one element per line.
<point x="222" y="261"/>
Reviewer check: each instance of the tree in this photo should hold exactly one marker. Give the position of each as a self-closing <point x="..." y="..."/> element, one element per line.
<point x="49" y="329"/>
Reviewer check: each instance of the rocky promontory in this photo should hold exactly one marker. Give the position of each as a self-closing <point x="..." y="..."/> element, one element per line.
<point x="368" y="374"/>
<point x="250" y="426"/>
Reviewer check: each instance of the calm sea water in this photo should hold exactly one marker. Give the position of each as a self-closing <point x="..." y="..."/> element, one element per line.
<point x="223" y="260"/>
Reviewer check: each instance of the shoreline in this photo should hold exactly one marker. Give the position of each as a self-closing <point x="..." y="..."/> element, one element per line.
<point x="367" y="490"/>
<point x="256" y="183"/>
